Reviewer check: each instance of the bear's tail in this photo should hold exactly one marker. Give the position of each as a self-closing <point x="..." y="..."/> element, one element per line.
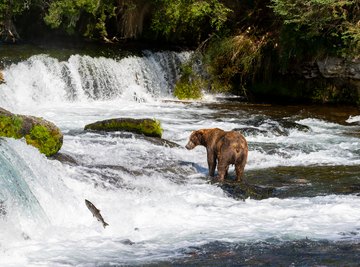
<point x="237" y="148"/>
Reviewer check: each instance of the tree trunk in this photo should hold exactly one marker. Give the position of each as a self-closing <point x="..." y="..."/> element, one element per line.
<point x="8" y="32"/>
<point x="130" y="18"/>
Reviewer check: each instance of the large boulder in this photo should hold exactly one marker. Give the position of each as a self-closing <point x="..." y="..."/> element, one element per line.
<point x="40" y="133"/>
<point x="333" y="67"/>
<point x="147" y="127"/>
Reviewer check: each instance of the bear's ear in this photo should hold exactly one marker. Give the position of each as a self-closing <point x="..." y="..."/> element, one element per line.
<point x="199" y="136"/>
<point x="200" y="132"/>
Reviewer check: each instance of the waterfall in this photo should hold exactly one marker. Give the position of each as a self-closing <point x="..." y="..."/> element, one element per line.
<point x="46" y="80"/>
<point x="20" y="210"/>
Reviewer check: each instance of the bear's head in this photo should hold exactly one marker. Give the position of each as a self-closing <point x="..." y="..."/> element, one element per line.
<point x="195" y="139"/>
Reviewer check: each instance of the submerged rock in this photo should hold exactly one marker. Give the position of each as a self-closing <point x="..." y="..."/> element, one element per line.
<point x="279" y="127"/>
<point x="147" y="127"/>
<point x="161" y="142"/>
<point x="65" y="159"/>
<point x="38" y="132"/>
<point x="244" y="191"/>
<point x="2" y="209"/>
<point x="247" y="131"/>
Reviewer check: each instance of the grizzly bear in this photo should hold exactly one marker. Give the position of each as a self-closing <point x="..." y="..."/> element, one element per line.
<point x="223" y="148"/>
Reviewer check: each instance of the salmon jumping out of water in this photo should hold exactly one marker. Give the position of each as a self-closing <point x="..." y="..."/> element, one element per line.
<point x="95" y="212"/>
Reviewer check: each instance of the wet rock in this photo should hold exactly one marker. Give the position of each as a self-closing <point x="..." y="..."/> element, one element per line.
<point x="38" y="132"/>
<point x="127" y="242"/>
<point x="2" y="209"/>
<point x="25" y="236"/>
<point x="293" y="125"/>
<point x="244" y="190"/>
<point x="147" y="127"/>
<point x="161" y="142"/>
<point x="332" y="67"/>
<point x="64" y="158"/>
<point x="267" y="126"/>
<point x="154" y="140"/>
<point x="247" y="131"/>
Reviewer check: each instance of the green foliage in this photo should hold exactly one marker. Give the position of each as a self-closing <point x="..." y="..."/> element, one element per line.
<point x="8" y="10"/>
<point x="188" y="89"/>
<point x="68" y="13"/>
<point x="233" y="59"/>
<point x="48" y="142"/>
<point x="333" y="24"/>
<point x="12" y="8"/>
<point x="188" y="17"/>
<point x="190" y="85"/>
<point x="326" y="92"/>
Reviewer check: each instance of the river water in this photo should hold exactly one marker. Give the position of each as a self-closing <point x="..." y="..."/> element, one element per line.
<point x="303" y="168"/>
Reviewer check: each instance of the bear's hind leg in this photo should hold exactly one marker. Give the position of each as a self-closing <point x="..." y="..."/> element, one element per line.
<point x="223" y="168"/>
<point x="239" y="167"/>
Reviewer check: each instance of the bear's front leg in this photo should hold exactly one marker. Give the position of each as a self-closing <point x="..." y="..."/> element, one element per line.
<point x="211" y="158"/>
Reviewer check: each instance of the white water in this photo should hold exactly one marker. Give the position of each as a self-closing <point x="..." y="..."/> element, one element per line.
<point x="158" y="197"/>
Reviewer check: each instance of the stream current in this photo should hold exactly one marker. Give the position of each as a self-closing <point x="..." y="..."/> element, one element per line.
<point x="157" y="199"/>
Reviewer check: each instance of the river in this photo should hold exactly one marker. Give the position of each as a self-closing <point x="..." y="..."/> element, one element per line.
<point x="162" y="209"/>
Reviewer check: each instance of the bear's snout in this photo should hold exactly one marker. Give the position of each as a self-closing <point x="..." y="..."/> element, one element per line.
<point x="190" y="145"/>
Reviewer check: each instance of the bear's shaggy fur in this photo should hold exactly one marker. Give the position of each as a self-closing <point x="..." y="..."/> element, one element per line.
<point x="223" y="148"/>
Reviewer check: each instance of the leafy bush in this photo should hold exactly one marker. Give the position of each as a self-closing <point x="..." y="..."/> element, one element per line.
<point x="190" y="84"/>
<point x="331" y="25"/>
<point x="191" y="18"/>
<point x="233" y="59"/>
<point x="68" y="13"/>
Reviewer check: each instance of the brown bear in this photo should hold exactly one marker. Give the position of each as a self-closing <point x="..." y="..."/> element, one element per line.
<point x="224" y="148"/>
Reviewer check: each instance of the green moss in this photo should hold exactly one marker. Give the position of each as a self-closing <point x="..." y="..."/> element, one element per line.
<point x="48" y="142"/>
<point x="188" y="90"/>
<point x="148" y="127"/>
<point x="10" y="126"/>
<point x="190" y="84"/>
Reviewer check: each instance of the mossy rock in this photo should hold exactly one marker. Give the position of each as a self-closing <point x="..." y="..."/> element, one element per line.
<point x="147" y="127"/>
<point x="40" y="133"/>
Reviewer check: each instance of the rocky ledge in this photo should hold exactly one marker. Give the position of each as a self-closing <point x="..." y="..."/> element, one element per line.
<point x="40" y="133"/>
<point x="147" y="127"/>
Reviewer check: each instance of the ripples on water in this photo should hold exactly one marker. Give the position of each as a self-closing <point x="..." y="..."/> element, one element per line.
<point x="303" y="163"/>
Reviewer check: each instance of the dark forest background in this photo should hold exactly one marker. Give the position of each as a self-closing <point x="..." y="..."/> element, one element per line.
<point x="259" y="49"/>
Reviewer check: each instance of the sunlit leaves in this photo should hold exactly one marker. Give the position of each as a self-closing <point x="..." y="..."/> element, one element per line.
<point x="333" y="21"/>
<point x="179" y="17"/>
<point x="67" y="13"/>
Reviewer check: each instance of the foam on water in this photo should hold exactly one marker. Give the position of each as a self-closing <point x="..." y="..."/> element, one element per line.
<point x="156" y="196"/>
<point x="46" y="81"/>
<point x="160" y="215"/>
<point x="353" y="119"/>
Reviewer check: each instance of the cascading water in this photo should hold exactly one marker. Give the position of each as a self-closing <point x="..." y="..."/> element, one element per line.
<point x="157" y="199"/>
<point x="82" y="78"/>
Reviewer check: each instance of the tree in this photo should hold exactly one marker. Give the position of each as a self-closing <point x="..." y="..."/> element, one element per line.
<point x="91" y="14"/>
<point x="332" y="24"/>
<point x="176" y="19"/>
<point x="8" y="10"/>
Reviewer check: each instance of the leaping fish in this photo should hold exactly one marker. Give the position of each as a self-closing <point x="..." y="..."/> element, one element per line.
<point x="95" y="212"/>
